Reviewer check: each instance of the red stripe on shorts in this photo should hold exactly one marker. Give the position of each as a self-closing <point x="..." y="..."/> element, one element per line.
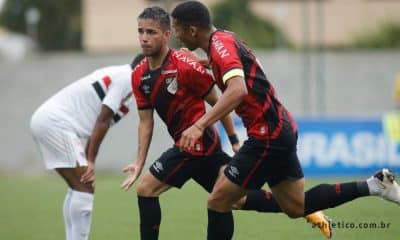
<point x="254" y="168"/>
<point x="166" y="179"/>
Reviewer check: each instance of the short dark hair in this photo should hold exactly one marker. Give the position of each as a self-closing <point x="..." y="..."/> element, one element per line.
<point x="192" y="13"/>
<point x="158" y="14"/>
<point x="138" y="58"/>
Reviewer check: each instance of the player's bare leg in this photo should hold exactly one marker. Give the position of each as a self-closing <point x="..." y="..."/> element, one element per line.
<point x="78" y="204"/>
<point x="148" y="191"/>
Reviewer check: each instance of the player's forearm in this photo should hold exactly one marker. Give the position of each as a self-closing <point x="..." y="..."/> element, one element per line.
<point x="145" y="133"/>
<point x="98" y="134"/>
<point x="230" y="99"/>
<point x="227" y="122"/>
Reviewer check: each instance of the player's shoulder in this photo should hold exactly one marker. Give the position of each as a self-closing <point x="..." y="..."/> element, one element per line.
<point x="139" y="69"/>
<point x="222" y="43"/>
<point x="186" y="63"/>
<point x="141" y="66"/>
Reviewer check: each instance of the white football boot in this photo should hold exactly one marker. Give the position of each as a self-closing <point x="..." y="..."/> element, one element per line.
<point x="383" y="184"/>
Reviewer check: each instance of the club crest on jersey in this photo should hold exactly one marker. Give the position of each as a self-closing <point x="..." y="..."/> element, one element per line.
<point x="172" y="85"/>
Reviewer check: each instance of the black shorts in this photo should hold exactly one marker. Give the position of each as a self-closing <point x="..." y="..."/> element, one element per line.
<point x="260" y="161"/>
<point x="175" y="167"/>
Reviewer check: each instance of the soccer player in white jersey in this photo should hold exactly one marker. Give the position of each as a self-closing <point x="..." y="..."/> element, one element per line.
<point x="68" y="129"/>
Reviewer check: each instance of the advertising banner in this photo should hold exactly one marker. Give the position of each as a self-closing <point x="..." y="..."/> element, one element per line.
<point x="339" y="146"/>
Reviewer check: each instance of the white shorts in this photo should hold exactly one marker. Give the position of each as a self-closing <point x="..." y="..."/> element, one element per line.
<point x="59" y="147"/>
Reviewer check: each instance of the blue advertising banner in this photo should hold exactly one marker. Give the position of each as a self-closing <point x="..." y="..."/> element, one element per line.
<point x="339" y="146"/>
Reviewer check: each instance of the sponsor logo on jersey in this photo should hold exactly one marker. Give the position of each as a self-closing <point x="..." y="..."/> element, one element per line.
<point x="233" y="171"/>
<point x="193" y="63"/>
<point x="262" y="130"/>
<point x="146" y="77"/>
<point x="172" y="71"/>
<point x="145" y="88"/>
<point x="219" y="47"/>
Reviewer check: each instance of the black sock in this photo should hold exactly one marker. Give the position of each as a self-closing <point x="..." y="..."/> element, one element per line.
<point x="261" y="201"/>
<point x="326" y="196"/>
<point x="150" y="217"/>
<point x="220" y="225"/>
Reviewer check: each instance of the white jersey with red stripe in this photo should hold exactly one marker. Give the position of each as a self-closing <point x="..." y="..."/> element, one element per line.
<point x="77" y="106"/>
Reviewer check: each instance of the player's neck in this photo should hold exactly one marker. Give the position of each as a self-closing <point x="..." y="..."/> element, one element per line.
<point x="205" y="40"/>
<point x="157" y="60"/>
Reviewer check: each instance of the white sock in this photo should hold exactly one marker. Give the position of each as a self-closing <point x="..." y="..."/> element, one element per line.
<point x="373" y="187"/>
<point x="67" y="215"/>
<point x="81" y="214"/>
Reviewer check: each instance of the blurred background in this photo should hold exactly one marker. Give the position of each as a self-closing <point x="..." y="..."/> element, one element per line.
<point x="334" y="64"/>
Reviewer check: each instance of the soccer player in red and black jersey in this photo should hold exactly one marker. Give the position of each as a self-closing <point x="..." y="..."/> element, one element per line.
<point x="175" y="85"/>
<point x="269" y="155"/>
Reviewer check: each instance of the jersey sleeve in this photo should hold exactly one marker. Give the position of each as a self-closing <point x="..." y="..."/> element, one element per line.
<point x="201" y="83"/>
<point x="224" y="54"/>
<point x="118" y="89"/>
<point x="141" y="101"/>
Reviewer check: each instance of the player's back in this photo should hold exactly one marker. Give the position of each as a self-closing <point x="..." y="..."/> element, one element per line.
<point x="76" y="106"/>
<point x="261" y="111"/>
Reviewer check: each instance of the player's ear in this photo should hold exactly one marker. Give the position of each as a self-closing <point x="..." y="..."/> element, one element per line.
<point x="193" y="31"/>
<point x="167" y="33"/>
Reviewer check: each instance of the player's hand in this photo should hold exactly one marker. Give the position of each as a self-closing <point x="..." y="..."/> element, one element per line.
<point x="236" y="147"/>
<point x="189" y="137"/>
<point x="204" y="62"/>
<point x="133" y="170"/>
<point x="190" y="53"/>
<point x="89" y="175"/>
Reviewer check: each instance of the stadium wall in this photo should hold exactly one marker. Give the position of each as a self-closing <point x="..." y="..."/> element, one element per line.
<point x="358" y="84"/>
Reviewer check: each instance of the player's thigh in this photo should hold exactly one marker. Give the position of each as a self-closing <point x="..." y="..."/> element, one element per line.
<point x="72" y="177"/>
<point x="210" y="168"/>
<point x="150" y="186"/>
<point x="290" y="196"/>
<point x="174" y="167"/>
<point x="225" y="194"/>
<point x="246" y="169"/>
<point x="59" y="148"/>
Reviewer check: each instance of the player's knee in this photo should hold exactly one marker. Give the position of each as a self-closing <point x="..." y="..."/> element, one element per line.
<point x="82" y="187"/>
<point x="142" y="189"/>
<point x="294" y="211"/>
<point x="219" y="203"/>
<point x="146" y="189"/>
<point x="239" y="204"/>
<point x="73" y="181"/>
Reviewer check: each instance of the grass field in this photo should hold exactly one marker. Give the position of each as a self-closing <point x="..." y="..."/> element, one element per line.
<point x="31" y="209"/>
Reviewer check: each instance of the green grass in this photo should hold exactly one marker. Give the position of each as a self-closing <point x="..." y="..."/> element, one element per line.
<point x="31" y="209"/>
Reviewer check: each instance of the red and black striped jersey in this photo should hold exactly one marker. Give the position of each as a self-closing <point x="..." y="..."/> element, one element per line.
<point x="176" y="91"/>
<point x="262" y="113"/>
